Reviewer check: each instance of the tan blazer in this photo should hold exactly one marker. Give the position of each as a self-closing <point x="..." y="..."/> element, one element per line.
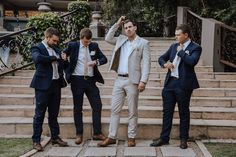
<point x="139" y="59"/>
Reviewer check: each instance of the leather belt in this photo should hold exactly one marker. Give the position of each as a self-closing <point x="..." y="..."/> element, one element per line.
<point x="84" y="77"/>
<point x="174" y="78"/>
<point x="123" y="75"/>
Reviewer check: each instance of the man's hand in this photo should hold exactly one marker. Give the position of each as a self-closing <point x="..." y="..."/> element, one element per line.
<point x="168" y="65"/>
<point x="63" y="56"/>
<point x="141" y="86"/>
<point x="121" y="20"/>
<point x="92" y="63"/>
<point x="180" y="47"/>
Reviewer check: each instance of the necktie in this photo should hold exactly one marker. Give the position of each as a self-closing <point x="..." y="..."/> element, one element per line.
<point x="175" y="62"/>
<point x="54" y="66"/>
<point x="86" y="62"/>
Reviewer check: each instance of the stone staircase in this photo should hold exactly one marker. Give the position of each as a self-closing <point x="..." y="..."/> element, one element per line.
<point x="213" y="106"/>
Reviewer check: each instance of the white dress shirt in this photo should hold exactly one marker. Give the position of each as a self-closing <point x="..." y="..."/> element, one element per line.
<point x="176" y="61"/>
<point x="51" y="52"/>
<point x="80" y="69"/>
<point x="125" y="52"/>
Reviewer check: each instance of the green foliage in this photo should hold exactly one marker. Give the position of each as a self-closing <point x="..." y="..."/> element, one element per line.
<point x="83" y="17"/>
<point x="148" y="14"/>
<point x="42" y="21"/>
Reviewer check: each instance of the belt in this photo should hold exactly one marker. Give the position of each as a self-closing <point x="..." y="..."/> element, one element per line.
<point x="84" y="77"/>
<point x="174" y="78"/>
<point x="123" y="75"/>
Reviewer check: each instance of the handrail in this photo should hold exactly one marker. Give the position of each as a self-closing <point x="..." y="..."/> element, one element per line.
<point x="11" y="71"/>
<point x="15" y="33"/>
<point x="9" y="41"/>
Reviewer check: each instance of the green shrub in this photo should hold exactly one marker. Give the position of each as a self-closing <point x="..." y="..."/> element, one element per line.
<point x="83" y="17"/>
<point x="42" y="21"/>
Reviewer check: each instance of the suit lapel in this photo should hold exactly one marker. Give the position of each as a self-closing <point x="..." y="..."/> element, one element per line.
<point x="135" y="45"/>
<point x="43" y="48"/>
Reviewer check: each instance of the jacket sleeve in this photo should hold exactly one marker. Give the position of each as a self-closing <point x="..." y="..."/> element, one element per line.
<point x="110" y="37"/>
<point x="193" y="58"/>
<point x="101" y="58"/>
<point x="165" y="57"/>
<point x="39" y="57"/>
<point x="146" y="63"/>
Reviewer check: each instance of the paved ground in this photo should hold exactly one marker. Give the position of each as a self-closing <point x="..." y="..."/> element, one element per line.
<point x="89" y="149"/>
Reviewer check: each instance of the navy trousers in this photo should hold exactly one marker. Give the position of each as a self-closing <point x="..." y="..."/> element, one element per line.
<point x="47" y="99"/>
<point x="79" y="86"/>
<point x="172" y="94"/>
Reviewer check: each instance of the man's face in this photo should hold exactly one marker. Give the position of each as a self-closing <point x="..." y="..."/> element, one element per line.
<point x="85" y="41"/>
<point x="53" y="40"/>
<point x="130" y="29"/>
<point x="180" y="36"/>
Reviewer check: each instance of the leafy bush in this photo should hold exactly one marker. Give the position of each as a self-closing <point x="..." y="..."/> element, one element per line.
<point x="83" y="17"/>
<point x="148" y="14"/>
<point x="42" y="21"/>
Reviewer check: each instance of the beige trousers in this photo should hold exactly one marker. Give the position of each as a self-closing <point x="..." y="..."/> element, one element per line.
<point x="123" y="87"/>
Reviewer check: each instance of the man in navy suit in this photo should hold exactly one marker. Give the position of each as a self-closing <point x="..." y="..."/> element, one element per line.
<point x="82" y="72"/>
<point x="47" y="82"/>
<point x="180" y="60"/>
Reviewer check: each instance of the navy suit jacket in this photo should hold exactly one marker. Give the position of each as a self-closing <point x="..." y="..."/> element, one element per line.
<point x="189" y="58"/>
<point x="42" y="78"/>
<point x="72" y="50"/>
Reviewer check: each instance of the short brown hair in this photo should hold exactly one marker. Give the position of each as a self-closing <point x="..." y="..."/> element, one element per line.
<point x="185" y="29"/>
<point x="85" y="32"/>
<point x="49" y="32"/>
<point x="129" y="20"/>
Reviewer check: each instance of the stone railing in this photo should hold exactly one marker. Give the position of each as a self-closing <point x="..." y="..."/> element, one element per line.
<point x="15" y="47"/>
<point x="218" y="40"/>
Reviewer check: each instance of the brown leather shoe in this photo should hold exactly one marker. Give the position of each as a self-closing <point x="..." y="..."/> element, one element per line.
<point x="59" y="142"/>
<point x="99" y="137"/>
<point x="79" y="139"/>
<point x="37" y="146"/>
<point x="131" y="142"/>
<point x="106" y="142"/>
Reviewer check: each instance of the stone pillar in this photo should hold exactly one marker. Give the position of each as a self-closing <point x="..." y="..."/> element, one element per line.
<point x="1" y="16"/>
<point x="182" y="15"/>
<point x="210" y="43"/>
<point x="96" y="26"/>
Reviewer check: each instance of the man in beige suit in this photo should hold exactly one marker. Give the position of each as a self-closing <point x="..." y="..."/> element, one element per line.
<point x="131" y="61"/>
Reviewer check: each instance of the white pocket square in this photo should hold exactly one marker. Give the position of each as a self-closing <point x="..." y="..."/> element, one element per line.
<point x="187" y="52"/>
<point x="92" y="53"/>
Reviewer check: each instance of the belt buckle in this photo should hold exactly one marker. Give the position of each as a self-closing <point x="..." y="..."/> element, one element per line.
<point x="85" y="77"/>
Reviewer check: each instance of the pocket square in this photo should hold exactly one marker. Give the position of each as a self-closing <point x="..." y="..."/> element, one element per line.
<point x="187" y="52"/>
<point x="92" y="53"/>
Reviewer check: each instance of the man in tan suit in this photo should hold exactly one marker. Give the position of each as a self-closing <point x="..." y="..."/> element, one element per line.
<point x="131" y="61"/>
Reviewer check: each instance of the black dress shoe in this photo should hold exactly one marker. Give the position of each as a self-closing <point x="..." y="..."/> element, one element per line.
<point x="183" y="144"/>
<point x="159" y="142"/>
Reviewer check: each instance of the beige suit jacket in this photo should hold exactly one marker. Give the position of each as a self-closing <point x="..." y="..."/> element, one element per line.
<point x="139" y="63"/>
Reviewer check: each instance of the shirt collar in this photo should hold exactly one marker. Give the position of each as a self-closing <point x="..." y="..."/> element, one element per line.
<point x="81" y="45"/>
<point x="186" y="44"/>
<point x="45" y="44"/>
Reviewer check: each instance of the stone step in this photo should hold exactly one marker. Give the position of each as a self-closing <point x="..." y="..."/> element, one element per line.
<point x="154" y="69"/>
<point x="213" y="113"/>
<point x="28" y="99"/>
<point x="106" y="90"/>
<point x="156" y="75"/>
<point x="148" y="128"/>
<point x="204" y="83"/>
